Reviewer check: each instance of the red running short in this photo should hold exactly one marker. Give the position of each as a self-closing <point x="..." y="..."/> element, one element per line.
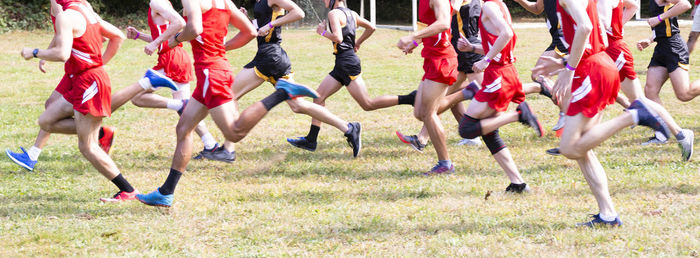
<point x="595" y="86"/>
<point x="91" y="92"/>
<point x="213" y="87"/>
<point x="176" y="65"/>
<point x="64" y="86"/>
<point x="621" y="55"/>
<point x="501" y="86"/>
<point x="441" y="70"/>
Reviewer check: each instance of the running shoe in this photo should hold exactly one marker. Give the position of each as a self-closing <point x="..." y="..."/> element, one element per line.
<point x="21" y="159"/>
<point x="658" y="138"/>
<point x="295" y="90"/>
<point x="553" y="152"/>
<point x="411" y="140"/>
<point x="221" y="154"/>
<point x="527" y="117"/>
<point x="686" y="144"/>
<point x="206" y="153"/>
<point x="155" y="198"/>
<point x="544" y="90"/>
<point x="471" y="90"/>
<point x="647" y="117"/>
<point x="517" y="188"/>
<point x="598" y="222"/>
<point x="440" y="170"/>
<point x="302" y="143"/>
<point x="354" y="137"/>
<point x="469" y="142"/>
<point x="560" y="123"/>
<point x="106" y="138"/>
<point x="184" y="104"/>
<point x="121" y="196"/>
<point x="152" y="80"/>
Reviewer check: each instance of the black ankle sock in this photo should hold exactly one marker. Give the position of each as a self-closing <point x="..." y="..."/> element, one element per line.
<point x="313" y="133"/>
<point x="169" y="186"/>
<point x="407" y="99"/>
<point x="122" y="184"/>
<point x="275" y="98"/>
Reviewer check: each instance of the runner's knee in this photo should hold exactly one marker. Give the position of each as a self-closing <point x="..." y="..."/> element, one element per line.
<point x="494" y="142"/>
<point x="469" y="127"/>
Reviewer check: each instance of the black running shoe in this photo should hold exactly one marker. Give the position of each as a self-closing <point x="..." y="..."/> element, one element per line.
<point x="527" y="117"/>
<point x="411" y="140"/>
<point x="553" y="152"/>
<point x="470" y="91"/>
<point x="354" y="138"/>
<point x="302" y="143"/>
<point x="544" y="90"/>
<point x="517" y="188"/>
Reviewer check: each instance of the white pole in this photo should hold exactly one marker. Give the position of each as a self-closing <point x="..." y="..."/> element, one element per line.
<point x="639" y="10"/>
<point x="414" y="17"/>
<point x="362" y="8"/>
<point x="373" y="11"/>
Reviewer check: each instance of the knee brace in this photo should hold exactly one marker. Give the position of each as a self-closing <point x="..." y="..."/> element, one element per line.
<point x="494" y="142"/>
<point x="469" y="128"/>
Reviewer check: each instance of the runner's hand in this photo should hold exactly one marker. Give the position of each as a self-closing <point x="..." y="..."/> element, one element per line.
<point x="480" y="66"/>
<point x="464" y="45"/>
<point x="653" y="21"/>
<point x="642" y="44"/>
<point x="131" y="32"/>
<point x="264" y="30"/>
<point x="321" y="27"/>
<point x="150" y="48"/>
<point x="563" y="85"/>
<point x="27" y="53"/>
<point x="243" y="10"/>
<point x="41" y="66"/>
<point x="357" y="47"/>
<point x="406" y="44"/>
<point x="548" y="66"/>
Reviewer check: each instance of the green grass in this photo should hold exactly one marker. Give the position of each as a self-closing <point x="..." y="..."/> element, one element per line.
<point x="279" y="200"/>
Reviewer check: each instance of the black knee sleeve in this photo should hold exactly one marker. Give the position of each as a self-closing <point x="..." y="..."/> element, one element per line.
<point x="469" y="128"/>
<point x="494" y="142"/>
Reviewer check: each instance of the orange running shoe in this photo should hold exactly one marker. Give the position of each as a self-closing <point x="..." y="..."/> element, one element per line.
<point x="121" y="196"/>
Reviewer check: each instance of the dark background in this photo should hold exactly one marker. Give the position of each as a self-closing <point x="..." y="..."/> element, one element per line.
<point x="33" y="14"/>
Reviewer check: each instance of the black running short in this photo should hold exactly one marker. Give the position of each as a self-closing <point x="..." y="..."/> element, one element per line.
<point x="466" y="60"/>
<point x="670" y="53"/>
<point x="347" y="68"/>
<point x="270" y="63"/>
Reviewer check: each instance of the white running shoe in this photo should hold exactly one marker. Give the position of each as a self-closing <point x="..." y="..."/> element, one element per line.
<point x="469" y="142"/>
<point x="560" y="123"/>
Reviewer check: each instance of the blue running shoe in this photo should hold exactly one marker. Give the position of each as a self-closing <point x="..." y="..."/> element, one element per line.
<point x="153" y="80"/>
<point x="647" y="117"/>
<point x="598" y="222"/>
<point x="184" y="104"/>
<point x="155" y="198"/>
<point x="21" y="159"/>
<point x="295" y="90"/>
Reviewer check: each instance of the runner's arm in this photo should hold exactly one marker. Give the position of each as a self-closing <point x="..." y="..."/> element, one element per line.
<point x="577" y="11"/>
<point x="63" y="40"/>
<point x="443" y="17"/>
<point x="169" y="14"/>
<point x="630" y="10"/>
<point x="679" y="7"/>
<point x="369" y="29"/>
<point x="193" y="11"/>
<point x="536" y="7"/>
<point x="605" y="12"/>
<point x="116" y="38"/>
<point x="246" y="31"/>
<point x="336" y="33"/>
<point x="295" y="12"/>
<point x="503" y="30"/>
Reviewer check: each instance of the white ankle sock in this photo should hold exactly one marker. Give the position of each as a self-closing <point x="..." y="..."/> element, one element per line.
<point x="608" y="217"/>
<point x="635" y="115"/>
<point x="208" y="141"/>
<point x="145" y="83"/>
<point x="660" y="136"/>
<point x="175" y="104"/>
<point x="33" y="153"/>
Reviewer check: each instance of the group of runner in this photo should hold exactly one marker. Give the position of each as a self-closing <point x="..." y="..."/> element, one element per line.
<point x="468" y="52"/>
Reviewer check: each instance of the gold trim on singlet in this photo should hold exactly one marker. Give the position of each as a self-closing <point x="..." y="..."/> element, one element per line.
<point x="353" y="77"/>
<point x="460" y="23"/>
<point x="668" y="21"/>
<point x="275" y="14"/>
<point x="684" y="66"/>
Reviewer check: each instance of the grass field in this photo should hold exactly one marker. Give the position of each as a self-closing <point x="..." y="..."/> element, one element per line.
<point x="279" y="200"/>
